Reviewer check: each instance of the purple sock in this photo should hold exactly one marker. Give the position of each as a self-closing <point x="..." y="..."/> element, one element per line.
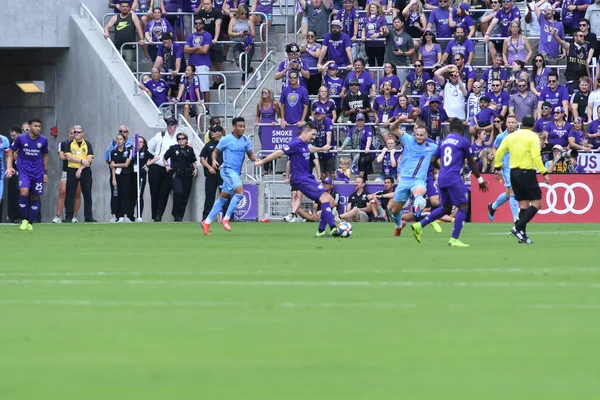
<point x="23" y="200"/>
<point x="34" y="209"/>
<point x="433" y="216"/>
<point x="459" y="221"/>
<point x="327" y="217"/>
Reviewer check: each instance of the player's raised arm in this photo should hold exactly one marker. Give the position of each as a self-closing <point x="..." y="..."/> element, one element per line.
<point x="395" y="128"/>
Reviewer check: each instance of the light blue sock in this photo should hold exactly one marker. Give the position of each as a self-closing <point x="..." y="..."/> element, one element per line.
<point x="418" y="201"/>
<point x="514" y="207"/>
<point x="233" y="205"/>
<point x="398" y="219"/>
<point x="217" y="207"/>
<point x="503" y="198"/>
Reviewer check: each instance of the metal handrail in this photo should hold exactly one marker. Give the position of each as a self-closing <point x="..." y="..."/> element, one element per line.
<point x="253" y="76"/>
<point x="177" y="14"/>
<point x="118" y="57"/>
<point x="256" y="89"/>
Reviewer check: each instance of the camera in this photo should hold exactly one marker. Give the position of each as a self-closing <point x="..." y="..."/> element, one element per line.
<point x="567" y="154"/>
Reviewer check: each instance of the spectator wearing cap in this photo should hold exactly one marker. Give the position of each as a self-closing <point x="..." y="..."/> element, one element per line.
<point x="499" y="97"/>
<point x="361" y="138"/>
<point x="355" y="102"/>
<point x="549" y="47"/>
<point x="463" y="19"/>
<point x="466" y="71"/>
<point x="460" y="45"/>
<point x="579" y="57"/>
<point x="455" y="92"/>
<point x="545" y="118"/>
<point x="324" y="137"/>
<point x="197" y="46"/>
<point x="317" y="13"/>
<point x="212" y="177"/>
<point x="310" y="54"/>
<point x="433" y="116"/>
<point x="399" y="48"/>
<point x="349" y="19"/>
<point x="170" y="59"/>
<point x="557" y="131"/>
<point x="440" y="18"/>
<point x="189" y="92"/>
<point x="128" y="24"/>
<point x="157" y="88"/>
<point x="213" y="121"/>
<point x="293" y="63"/>
<point x="430" y="92"/>
<point x="337" y="46"/>
<point x="484" y="119"/>
<point x="293" y="102"/>
<point x="365" y="80"/>
<point x="579" y="99"/>
<point x="333" y="83"/>
<point x="555" y="94"/>
<point x="324" y="101"/>
<point x="158" y="177"/>
<point x="375" y="28"/>
<point x="558" y="164"/>
<point x="154" y="31"/>
<point x="522" y="103"/>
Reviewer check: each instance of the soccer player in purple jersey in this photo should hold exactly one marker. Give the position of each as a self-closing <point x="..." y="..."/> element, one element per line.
<point x="452" y="151"/>
<point x="298" y="151"/>
<point x="32" y="168"/>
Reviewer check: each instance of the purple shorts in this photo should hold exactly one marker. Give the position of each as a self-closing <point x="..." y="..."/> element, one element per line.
<point x="454" y="195"/>
<point x="311" y="188"/>
<point x="35" y="185"/>
<point x="432" y="187"/>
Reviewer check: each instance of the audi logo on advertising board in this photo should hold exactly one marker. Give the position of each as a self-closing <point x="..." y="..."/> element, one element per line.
<point x="568" y="198"/>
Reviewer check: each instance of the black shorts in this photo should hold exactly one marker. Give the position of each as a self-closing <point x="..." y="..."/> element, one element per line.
<point x="525" y="185"/>
<point x="216" y="53"/>
<point x="327" y="164"/>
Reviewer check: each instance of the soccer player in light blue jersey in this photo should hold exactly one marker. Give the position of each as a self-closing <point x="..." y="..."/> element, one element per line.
<point x="413" y="168"/>
<point x="235" y="147"/>
<point x="452" y="152"/>
<point x="508" y="195"/>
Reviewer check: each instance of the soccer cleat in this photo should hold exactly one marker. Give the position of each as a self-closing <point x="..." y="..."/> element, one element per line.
<point x="398" y="230"/>
<point x="205" y="227"/>
<point x="24" y="224"/>
<point x="226" y="225"/>
<point x="321" y="234"/>
<point x="56" y="220"/>
<point x="335" y="232"/>
<point x="456" y="243"/>
<point x="29" y="227"/>
<point x="417" y="230"/>
<point x="288" y="218"/>
<point x="521" y="237"/>
<point x="436" y="227"/>
<point x="491" y="212"/>
<point x="113" y="219"/>
<point x="74" y="220"/>
<point x="417" y="211"/>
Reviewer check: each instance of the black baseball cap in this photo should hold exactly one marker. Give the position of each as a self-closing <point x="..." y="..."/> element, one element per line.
<point x="171" y="121"/>
<point x="217" y="128"/>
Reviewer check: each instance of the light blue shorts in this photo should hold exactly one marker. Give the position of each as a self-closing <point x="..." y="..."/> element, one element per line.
<point x="231" y="181"/>
<point x="1" y="187"/>
<point x="506" y="177"/>
<point x="406" y="187"/>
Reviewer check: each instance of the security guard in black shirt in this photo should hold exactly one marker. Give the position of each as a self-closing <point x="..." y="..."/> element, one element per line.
<point x="183" y="169"/>
<point x="213" y="178"/>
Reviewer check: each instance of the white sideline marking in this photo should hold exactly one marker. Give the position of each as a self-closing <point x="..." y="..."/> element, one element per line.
<point x="300" y="283"/>
<point x="507" y="233"/>
<point x="285" y="304"/>
<point x="313" y="272"/>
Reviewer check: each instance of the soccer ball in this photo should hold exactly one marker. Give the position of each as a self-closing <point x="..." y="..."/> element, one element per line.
<point x="345" y="229"/>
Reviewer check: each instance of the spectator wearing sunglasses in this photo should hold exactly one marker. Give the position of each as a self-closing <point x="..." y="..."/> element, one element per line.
<point x="504" y="17"/>
<point x="555" y="94"/>
<point x="494" y="31"/>
<point x="579" y="57"/>
<point x="180" y="162"/>
<point x="545" y="118"/>
<point x="549" y="47"/>
<point x="523" y="102"/>
<point x="557" y="131"/>
<point x="500" y="97"/>
<point x="590" y="37"/>
<point x="466" y="71"/>
<point x="440" y="18"/>
<point x="572" y="11"/>
<point x="539" y="74"/>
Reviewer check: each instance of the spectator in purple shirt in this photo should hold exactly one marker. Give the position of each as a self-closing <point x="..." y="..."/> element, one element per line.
<point x="189" y="91"/>
<point x="507" y="14"/>
<point x="545" y="118"/>
<point x="375" y="28"/>
<point x="293" y="63"/>
<point x="293" y="102"/>
<point x="440" y="18"/>
<point x="415" y="81"/>
<point x="431" y="91"/>
<point x="365" y="80"/>
<point x="484" y="119"/>
<point x="197" y="46"/>
<point x="433" y="116"/>
<point x="171" y="7"/>
<point x="557" y="131"/>
<point x="497" y="71"/>
<point x="572" y="11"/>
<point x="390" y="75"/>
<point x="385" y="107"/>
<point x="158" y="90"/>
<point x="337" y="46"/>
<point x="577" y="137"/>
<point x="460" y="45"/>
<point x="430" y="52"/>
<point x="500" y="97"/>
<point x="539" y="74"/>
<point x="549" y="47"/>
<point x="555" y="94"/>
<point x="154" y="31"/>
<point x="169" y="58"/>
<point x="463" y="19"/>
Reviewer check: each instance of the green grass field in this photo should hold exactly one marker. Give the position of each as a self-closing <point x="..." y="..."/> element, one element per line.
<point x="159" y="311"/>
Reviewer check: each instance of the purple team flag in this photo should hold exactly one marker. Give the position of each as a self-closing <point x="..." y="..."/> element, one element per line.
<point x="135" y="143"/>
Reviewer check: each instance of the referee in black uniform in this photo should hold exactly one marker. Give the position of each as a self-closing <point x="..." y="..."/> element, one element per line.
<point x="183" y="169"/>
<point x="524" y="149"/>
<point x="212" y="179"/>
